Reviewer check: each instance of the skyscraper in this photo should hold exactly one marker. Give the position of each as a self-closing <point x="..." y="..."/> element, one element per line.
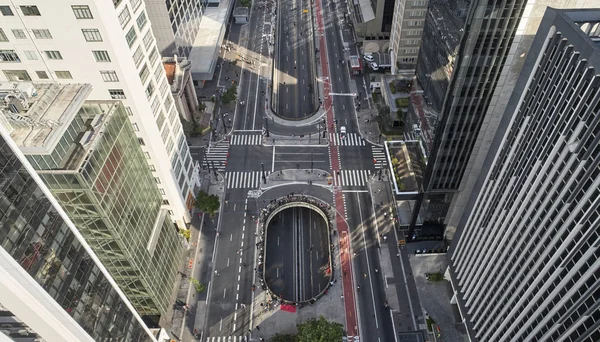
<point x="494" y="41"/>
<point x="525" y="262"/>
<point x="53" y="285"/>
<point x="406" y="31"/>
<point x="110" y="45"/>
<point x="90" y="158"/>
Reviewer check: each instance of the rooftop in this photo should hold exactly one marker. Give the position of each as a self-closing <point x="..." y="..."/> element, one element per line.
<point x="205" y="50"/>
<point x="39" y="115"/>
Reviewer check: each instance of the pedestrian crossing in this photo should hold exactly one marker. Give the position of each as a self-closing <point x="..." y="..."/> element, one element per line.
<point x="246" y="139"/>
<point x="351" y="177"/>
<point x="216" y="156"/>
<point x="408" y="136"/>
<point x="244" y="179"/>
<point x="379" y="156"/>
<point x="228" y="339"/>
<point x="348" y="139"/>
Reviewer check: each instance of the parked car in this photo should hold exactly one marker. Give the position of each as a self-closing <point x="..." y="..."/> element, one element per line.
<point x="368" y="57"/>
<point x="374" y="66"/>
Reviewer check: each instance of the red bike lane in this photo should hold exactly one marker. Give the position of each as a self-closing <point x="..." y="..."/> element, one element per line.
<point x="348" y="290"/>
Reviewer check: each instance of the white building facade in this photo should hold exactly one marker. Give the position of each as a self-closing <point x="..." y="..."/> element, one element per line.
<point x="110" y="45"/>
<point x="405" y="36"/>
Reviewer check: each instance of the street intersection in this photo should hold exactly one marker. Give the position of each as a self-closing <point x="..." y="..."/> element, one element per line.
<point x="263" y="157"/>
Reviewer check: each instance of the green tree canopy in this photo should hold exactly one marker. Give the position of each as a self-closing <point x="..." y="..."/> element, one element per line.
<point x="320" y="330"/>
<point x="207" y="203"/>
<point x="230" y="95"/>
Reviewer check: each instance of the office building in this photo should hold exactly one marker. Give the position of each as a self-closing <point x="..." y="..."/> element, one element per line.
<point x="53" y="286"/>
<point x="493" y="44"/>
<point x="406" y="32"/>
<point x="110" y="45"/>
<point x="175" y="24"/>
<point x="179" y="76"/>
<point x="525" y="262"/>
<point x="90" y="158"/>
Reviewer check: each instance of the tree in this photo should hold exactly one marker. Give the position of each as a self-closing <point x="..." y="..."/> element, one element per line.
<point x="230" y="95"/>
<point x="320" y="330"/>
<point x="284" y="338"/>
<point x="207" y="203"/>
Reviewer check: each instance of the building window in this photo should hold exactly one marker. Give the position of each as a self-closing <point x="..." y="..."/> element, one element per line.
<point x="9" y="56"/>
<point x="30" y="55"/>
<point x="148" y="39"/>
<point x="42" y="34"/>
<point x="142" y="20"/>
<point x="171" y="213"/>
<point x="17" y="75"/>
<point x="63" y="75"/>
<point x="141" y="141"/>
<point x="153" y="56"/>
<point x="53" y="55"/>
<point x="129" y="111"/>
<point x="135" y="4"/>
<point x="163" y="87"/>
<point x="30" y="10"/>
<point x="19" y="34"/>
<point x="158" y="72"/>
<point x="82" y="12"/>
<point x="135" y="127"/>
<point x="6" y="11"/>
<point x="138" y="56"/>
<point x="109" y="76"/>
<point x="42" y="75"/>
<point x="3" y="37"/>
<point x="157" y="180"/>
<point x="165" y="202"/>
<point x="131" y="36"/>
<point x="162" y="192"/>
<point x="144" y="73"/>
<point x="147" y="155"/>
<point x="116" y="94"/>
<point x="124" y="17"/>
<point x="101" y="56"/>
<point x="152" y="168"/>
<point x="91" y="35"/>
<point x="150" y="91"/>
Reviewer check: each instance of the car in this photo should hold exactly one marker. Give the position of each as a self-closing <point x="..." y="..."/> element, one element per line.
<point x="343" y="132"/>
<point x="374" y="66"/>
<point x="368" y="58"/>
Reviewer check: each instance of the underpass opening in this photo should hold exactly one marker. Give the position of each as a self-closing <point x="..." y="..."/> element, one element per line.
<point x="297" y="252"/>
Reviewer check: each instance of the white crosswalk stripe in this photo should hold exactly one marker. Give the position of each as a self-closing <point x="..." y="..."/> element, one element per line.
<point x="217" y="156"/>
<point x="244" y="179"/>
<point x="410" y="136"/>
<point x="352" y="177"/>
<point x="228" y="339"/>
<point x="246" y="139"/>
<point x="380" y="156"/>
<point x="350" y="139"/>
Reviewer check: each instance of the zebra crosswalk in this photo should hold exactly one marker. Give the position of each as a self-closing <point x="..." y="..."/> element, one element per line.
<point x="246" y="139"/>
<point x="350" y="139"/>
<point x="380" y="156"/>
<point x="244" y="179"/>
<point x="228" y="339"/>
<point x="408" y="136"/>
<point x="352" y="177"/>
<point x="216" y="156"/>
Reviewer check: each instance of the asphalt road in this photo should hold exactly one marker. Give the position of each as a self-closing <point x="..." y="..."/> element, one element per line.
<point x="374" y="319"/>
<point x="296" y="72"/>
<point x="303" y="157"/>
<point x="297" y="254"/>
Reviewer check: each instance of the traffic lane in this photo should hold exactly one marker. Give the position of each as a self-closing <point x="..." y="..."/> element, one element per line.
<point x="374" y="317"/>
<point x="294" y="157"/>
<point x="356" y="157"/>
<point x="197" y="152"/>
<point x="225" y="268"/>
<point x="317" y="255"/>
<point x="280" y="261"/>
<point x="249" y="158"/>
<point x="247" y="256"/>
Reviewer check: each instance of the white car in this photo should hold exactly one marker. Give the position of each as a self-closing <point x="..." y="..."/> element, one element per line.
<point x="374" y="66"/>
<point x="343" y="132"/>
<point x="368" y="58"/>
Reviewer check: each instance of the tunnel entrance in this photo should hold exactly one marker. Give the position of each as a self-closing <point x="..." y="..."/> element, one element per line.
<point x="297" y="252"/>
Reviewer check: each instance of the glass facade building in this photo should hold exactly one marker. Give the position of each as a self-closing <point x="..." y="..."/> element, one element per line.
<point x="525" y="263"/>
<point x="99" y="174"/>
<point x="35" y="235"/>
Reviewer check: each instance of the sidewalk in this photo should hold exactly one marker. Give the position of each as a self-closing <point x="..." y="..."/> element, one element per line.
<point x="198" y="265"/>
<point x="401" y="288"/>
<point x="286" y="177"/>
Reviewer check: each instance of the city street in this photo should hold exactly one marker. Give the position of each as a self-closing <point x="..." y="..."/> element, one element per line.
<point x="297" y="254"/>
